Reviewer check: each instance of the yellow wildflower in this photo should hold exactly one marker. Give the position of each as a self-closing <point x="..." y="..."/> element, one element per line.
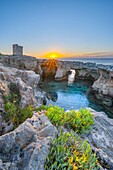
<point x="70" y="161"/>
<point x="75" y="167"/>
<point x="77" y="158"/>
<point x="84" y="160"/>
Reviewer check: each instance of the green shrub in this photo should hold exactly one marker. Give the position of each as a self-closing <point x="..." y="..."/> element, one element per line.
<point x="79" y="121"/>
<point x="69" y="153"/>
<point x="16" y="113"/>
<point x="14" y="96"/>
<point x="10" y="111"/>
<point x="55" y="114"/>
<point x="42" y="107"/>
<point x="13" y="111"/>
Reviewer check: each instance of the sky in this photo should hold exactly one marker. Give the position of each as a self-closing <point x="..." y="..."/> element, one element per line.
<point x="68" y="27"/>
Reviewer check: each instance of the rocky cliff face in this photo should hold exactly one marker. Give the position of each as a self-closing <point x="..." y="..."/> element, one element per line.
<point x="22" y="62"/>
<point x="100" y="75"/>
<point x="27" y="84"/>
<point x="27" y="147"/>
<point x="101" y="138"/>
<point x="103" y="87"/>
<point x="83" y="70"/>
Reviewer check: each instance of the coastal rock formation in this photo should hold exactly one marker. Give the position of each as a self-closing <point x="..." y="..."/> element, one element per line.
<point x="49" y="68"/>
<point x="62" y="70"/>
<point x="83" y="70"/>
<point x="27" y="147"/>
<point x="26" y="83"/>
<point x="100" y="76"/>
<point x="103" y="87"/>
<point x="101" y="138"/>
<point x="22" y="62"/>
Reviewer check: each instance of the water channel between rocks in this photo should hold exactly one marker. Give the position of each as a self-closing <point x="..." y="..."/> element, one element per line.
<point x="70" y="97"/>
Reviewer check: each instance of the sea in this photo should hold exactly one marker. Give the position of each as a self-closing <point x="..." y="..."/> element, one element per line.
<point x="104" y="61"/>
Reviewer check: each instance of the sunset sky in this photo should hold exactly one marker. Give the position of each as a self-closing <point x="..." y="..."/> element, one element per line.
<point x="69" y="27"/>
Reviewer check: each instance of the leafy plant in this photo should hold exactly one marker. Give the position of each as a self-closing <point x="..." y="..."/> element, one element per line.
<point x="16" y="113"/>
<point x="13" y="111"/>
<point x="68" y="152"/>
<point x="80" y="121"/>
<point x="55" y="114"/>
<point x="42" y="107"/>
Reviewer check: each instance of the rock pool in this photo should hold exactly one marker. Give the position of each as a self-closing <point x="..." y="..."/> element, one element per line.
<point x="74" y="96"/>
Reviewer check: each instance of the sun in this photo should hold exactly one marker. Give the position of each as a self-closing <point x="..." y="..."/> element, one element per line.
<point x="52" y="55"/>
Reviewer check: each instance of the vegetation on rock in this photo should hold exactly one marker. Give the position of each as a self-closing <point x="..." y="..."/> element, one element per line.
<point x="79" y="121"/>
<point x="17" y="114"/>
<point x="13" y="111"/>
<point x="68" y="152"/>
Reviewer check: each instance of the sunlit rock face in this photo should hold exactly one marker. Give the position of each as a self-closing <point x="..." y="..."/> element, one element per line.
<point x="62" y="71"/>
<point x="83" y="70"/>
<point x="22" y="62"/>
<point x="71" y="76"/>
<point x="49" y="68"/>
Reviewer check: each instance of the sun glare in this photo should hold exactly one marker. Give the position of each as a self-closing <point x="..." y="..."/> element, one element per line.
<point x="53" y="55"/>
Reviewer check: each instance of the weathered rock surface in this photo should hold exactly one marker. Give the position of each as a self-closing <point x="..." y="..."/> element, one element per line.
<point x="5" y="126"/>
<point x="62" y="70"/>
<point x="27" y="85"/>
<point x="27" y="147"/>
<point x="101" y="77"/>
<point x="27" y="82"/>
<point x="83" y="70"/>
<point x="101" y="138"/>
<point x="103" y="87"/>
<point x="22" y="62"/>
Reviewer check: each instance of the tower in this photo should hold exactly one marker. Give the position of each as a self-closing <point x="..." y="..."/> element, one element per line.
<point x="17" y="49"/>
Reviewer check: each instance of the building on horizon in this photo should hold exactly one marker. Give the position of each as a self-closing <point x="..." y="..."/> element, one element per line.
<point x="17" y="49"/>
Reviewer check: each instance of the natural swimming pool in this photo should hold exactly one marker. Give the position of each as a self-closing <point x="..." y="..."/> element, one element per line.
<point x="74" y="96"/>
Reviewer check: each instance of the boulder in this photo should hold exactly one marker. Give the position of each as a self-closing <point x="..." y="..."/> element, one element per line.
<point x="101" y="138"/>
<point x="26" y="93"/>
<point x="61" y="72"/>
<point x="27" y="147"/>
<point x="27" y="82"/>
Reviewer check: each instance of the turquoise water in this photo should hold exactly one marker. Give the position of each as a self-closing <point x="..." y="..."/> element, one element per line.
<point x="69" y="97"/>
